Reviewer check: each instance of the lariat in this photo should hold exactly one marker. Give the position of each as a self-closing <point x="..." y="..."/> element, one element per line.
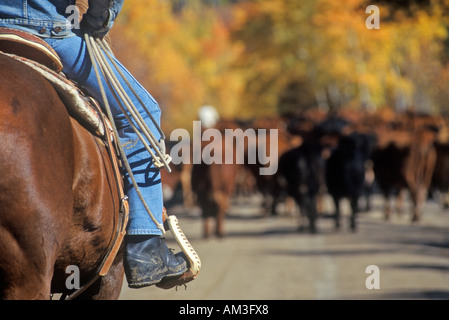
<point x="99" y="51"/>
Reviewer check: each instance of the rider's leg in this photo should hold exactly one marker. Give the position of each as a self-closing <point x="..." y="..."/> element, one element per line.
<point x="143" y="240"/>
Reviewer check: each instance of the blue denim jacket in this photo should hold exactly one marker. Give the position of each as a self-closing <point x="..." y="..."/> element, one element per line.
<point x="51" y="18"/>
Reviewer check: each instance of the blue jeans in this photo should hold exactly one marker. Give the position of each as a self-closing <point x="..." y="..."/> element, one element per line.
<point x="54" y="18"/>
<point x="78" y="67"/>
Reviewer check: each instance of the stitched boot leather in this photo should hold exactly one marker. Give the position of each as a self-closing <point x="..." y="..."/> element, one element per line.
<point x="149" y="261"/>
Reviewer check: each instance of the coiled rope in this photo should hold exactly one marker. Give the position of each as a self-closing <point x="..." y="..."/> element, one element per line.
<point x="98" y="51"/>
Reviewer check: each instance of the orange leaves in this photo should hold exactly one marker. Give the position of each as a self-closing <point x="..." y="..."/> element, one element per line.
<point x="188" y="54"/>
<point x="243" y="58"/>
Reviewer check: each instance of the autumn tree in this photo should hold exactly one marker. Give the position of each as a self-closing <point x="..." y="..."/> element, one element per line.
<point x="322" y="49"/>
<point x="256" y="58"/>
<point x="181" y="57"/>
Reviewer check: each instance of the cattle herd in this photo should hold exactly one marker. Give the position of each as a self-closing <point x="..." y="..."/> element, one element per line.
<point x="346" y="154"/>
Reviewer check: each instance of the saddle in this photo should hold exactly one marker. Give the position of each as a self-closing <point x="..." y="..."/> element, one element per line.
<point x="29" y="46"/>
<point x="38" y="55"/>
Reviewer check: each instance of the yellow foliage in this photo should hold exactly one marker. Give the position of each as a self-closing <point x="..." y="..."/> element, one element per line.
<point x="242" y="57"/>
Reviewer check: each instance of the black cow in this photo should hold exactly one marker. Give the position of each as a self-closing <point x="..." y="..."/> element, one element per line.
<point x="300" y="173"/>
<point x="345" y="172"/>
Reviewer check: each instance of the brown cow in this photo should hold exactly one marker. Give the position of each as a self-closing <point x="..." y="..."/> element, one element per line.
<point x="405" y="158"/>
<point x="440" y="178"/>
<point x="214" y="185"/>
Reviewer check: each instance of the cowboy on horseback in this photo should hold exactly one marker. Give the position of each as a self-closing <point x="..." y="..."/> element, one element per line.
<point x="148" y="260"/>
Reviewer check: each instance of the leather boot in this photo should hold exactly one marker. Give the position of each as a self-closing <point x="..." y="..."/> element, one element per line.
<point x="148" y="260"/>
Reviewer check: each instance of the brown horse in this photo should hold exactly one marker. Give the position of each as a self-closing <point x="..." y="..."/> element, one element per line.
<point x="58" y="203"/>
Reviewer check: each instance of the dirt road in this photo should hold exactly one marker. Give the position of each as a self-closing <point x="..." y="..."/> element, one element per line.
<point x="267" y="258"/>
